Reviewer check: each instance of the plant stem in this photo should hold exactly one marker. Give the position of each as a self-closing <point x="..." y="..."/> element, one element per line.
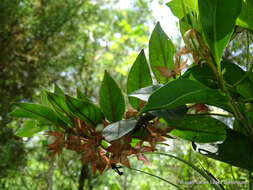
<point x="215" y="114"/>
<point x="247" y="51"/>
<point x="157" y="177"/>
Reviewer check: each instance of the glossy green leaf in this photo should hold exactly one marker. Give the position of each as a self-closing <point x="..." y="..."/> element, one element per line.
<point x="202" y="73"/>
<point x="161" y="52"/>
<point x="58" y="90"/>
<point x="198" y="129"/>
<point x="59" y="105"/>
<point x="139" y="76"/>
<point x="85" y="110"/>
<point x="177" y="113"/>
<point x="245" y="19"/>
<point x="28" y="129"/>
<point x="41" y="111"/>
<point x="232" y="72"/>
<point x="235" y="150"/>
<point x="217" y="18"/>
<point x="111" y="99"/>
<point x="177" y="8"/>
<point x="144" y="93"/>
<point x="118" y="129"/>
<point x="238" y="79"/>
<point x="184" y="91"/>
<point x="238" y="127"/>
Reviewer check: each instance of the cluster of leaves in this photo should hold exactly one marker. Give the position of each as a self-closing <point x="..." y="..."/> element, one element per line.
<point x="107" y="134"/>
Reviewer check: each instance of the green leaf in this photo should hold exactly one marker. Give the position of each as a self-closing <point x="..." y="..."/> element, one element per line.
<point x="217" y="18"/>
<point x="232" y="73"/>
<point x="138" y="77"/>
<point x="245" y="19"/>
<point x="161" y="51"/>
<point x="85" y="110"/>
<point x="202" y="73"/>
<point x="40" y="111"/>
<point x="177" y="113"/>
<point x="238" y="127"/>
<point x="58" y="90"/>
<point x="238" y="79"/>
<point x="111" y="99"/>
<point x="28" y="129"/>
<point x="235" y="150"/>
<point x="81" y="95"/>
<point x="144" y="93"/>
<point x="177" y="8"/>
<point x="184" y="91"/>
<point x="198" y="128"/>
<point x="59" y="105"/>
<point x="19" y="112"/>
<point x="43" y="98"/>
<point x="118" y="129"/>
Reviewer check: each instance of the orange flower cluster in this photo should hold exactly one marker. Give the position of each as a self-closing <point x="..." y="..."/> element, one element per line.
<point x="88" y="141"/>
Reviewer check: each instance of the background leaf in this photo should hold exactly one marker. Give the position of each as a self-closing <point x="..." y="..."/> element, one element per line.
<point x="111" y="99"/>
<point x="139" y="76"/>
<point x="177" y="9"/>
<point x="217" y="18"/>
<point x="245" y="19"/>
<point x="161" y="51"/>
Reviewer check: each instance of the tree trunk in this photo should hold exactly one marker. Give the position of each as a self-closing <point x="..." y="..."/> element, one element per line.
<point x="84" y="175"/>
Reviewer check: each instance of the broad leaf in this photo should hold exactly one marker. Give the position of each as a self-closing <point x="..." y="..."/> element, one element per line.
<point x="58" y="90"/>
<point x="217" y="18"/>
<point x="43" y="98"/>
<point x="177" y="8"/>
<point x="144" y="93"/>
<point x="111" y="99"/>
<point x="139" y="76"/>
<point x="28" y="129"/>
<point x="59" y="105"/>
<point x="198" y="128"/>
<point x="19" y="112"/>
<point x="245" y="19"/>
<point x="161" y="51"/>
<point x="184" y="91"/>
<point x="235" y="150"/>
<point x="202" y="73"/>
<point x="85" y="110"/>
<point x="237" y="78"/>
<point x="80" y="95"/>
<point x="177" y="113"/>
<point x="42" y="112"/>
<point x="118" y="129"/>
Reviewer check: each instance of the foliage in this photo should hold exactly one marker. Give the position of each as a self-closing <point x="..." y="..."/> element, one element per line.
<point x="106" y="135"/>
<point x="42" y="42"/>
